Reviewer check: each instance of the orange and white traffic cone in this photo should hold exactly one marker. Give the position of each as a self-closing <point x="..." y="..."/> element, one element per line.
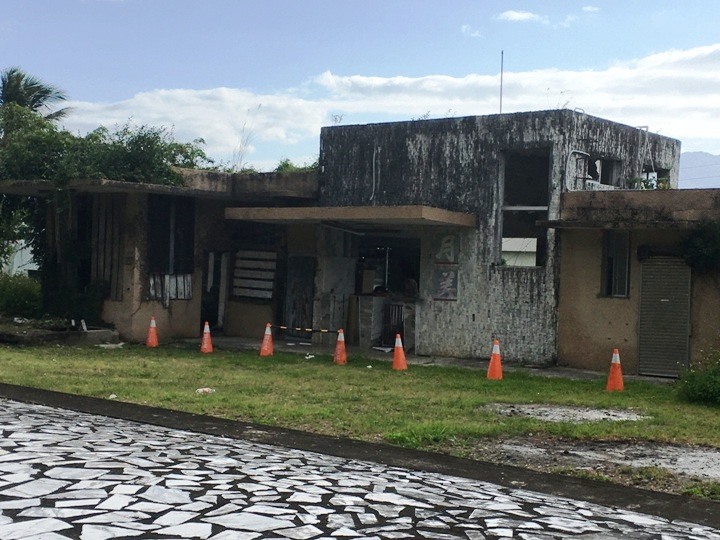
<point x="399" y="363"/>
<point x="266" y="349"/>
<point x="152" y="335"/>
<point x="615" y="377"/>
<point x="340" y="356"/>
<point x="494" y="371"/>
<point x="206" y="343"/>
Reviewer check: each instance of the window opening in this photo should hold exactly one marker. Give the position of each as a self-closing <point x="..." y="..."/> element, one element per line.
<point x="600" y="173"/>
<point x="616" y="262"/>
<point x="388" y="266"/>
<point x="526" y="199"/>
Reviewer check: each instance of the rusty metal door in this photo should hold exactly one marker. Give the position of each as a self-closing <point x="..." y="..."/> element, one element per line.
<point x="664" y="329"/>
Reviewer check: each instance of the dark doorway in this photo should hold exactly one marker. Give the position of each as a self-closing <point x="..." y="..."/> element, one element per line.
<point x="214" y="289"/>
<point x="299" y="296"/>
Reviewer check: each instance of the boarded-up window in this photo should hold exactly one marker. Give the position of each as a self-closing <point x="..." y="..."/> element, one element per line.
<point x="168" y="287"/>
<point x="170" y="247"/>
<point x="254" y="274"/>
<point x="106" y="240"/>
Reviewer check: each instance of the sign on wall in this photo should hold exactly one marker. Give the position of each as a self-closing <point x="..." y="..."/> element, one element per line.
<point x="445" y="273"/>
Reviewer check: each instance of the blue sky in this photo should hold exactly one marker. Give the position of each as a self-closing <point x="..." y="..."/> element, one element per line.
<point x="257" y="79"/>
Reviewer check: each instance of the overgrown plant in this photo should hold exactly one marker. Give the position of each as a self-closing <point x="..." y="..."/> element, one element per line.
<point x="20" y="296"/>
<point x="701" y="247"/>
<point x="701" y="383"/>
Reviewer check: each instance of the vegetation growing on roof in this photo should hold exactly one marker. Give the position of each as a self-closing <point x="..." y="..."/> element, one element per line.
<point x="285" y="165"/>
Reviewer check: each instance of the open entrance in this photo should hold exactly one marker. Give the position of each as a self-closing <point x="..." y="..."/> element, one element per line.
<point x="525" y="202"/>
<point x="214" y="288"/>
<point x="387" y="275"/>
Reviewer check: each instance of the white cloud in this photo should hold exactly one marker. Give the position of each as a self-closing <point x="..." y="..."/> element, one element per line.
<point x="522" y="16"/>
<point x="568" y="21"/>
<point x="674" y="92"/>
<point x="590" y="9"/>
<point x="469" y="31"/>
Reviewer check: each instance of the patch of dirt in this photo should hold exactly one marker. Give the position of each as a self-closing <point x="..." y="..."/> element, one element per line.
<point x="656" y="466"/>
<point x="553" y="413"/>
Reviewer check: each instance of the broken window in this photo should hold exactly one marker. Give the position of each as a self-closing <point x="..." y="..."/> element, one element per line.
<point x="616" y="263"/>
<point x="525" y="202"/>
<point x="652" y="178"/>
<point x="601" y="173"/>
<point x="170" y="246"/>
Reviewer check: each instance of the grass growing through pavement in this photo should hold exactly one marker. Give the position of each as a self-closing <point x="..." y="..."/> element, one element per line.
<point x="425" y="407"/>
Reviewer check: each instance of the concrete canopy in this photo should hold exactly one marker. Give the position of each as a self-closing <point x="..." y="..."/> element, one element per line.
<point x="356" y="216"/>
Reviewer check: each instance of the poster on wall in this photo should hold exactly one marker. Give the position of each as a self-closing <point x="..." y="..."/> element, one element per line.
<point x="445" y="282"/>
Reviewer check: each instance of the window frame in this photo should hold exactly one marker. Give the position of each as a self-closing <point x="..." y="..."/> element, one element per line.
<point x="616" y="264"/>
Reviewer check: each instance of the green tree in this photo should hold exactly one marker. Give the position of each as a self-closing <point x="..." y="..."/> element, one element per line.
<point x="29" y="92"/>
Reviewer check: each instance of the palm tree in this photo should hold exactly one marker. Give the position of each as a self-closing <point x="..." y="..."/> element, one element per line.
<point x="18" y="87"/>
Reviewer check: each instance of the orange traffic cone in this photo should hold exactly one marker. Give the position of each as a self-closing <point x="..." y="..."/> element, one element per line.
<point x="206" y="343"/>
<point x="340" y="356"/>
<point x="494" y="371"/>
<point x="266" y="349"/>
<point x="615" y="378"/>
<point x="152" y="335"/>
<point x="399" y="363"/>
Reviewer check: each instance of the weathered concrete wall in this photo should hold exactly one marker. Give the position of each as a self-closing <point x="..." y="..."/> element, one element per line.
<point x="253" y="186"/>
<point x="450" y="163"/>
<point x="245" y="319"/>
<point x="131" y="316"/>
<point x="454" y="163"/>
<point x="634" y="148"/>
<point x="669" y="208"/>
<point x="513" y="304"/>
<point x="705" y="316"/>
<point x="591" y="325"/>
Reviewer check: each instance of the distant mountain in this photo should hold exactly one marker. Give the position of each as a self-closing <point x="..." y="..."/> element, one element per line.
<point x="699" y="170"/>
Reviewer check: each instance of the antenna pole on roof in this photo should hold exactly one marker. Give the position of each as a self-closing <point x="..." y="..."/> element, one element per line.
<point x="502" y="61"/>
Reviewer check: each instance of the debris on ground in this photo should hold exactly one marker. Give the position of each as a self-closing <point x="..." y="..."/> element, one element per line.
<point x="111" y="345"/>
<point x="205" y="391"/>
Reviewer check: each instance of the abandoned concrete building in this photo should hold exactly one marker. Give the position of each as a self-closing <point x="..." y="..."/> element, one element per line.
<point x="446" y="231"/>
<point x="433" y="228"/>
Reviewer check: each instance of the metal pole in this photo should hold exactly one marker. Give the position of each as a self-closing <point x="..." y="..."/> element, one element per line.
<point x="502" y="69"/>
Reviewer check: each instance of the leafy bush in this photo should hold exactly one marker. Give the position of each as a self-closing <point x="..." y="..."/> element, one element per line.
<point x="701" y="248"/>
<point x="701" y="384"/>
<point x="20" y="296"/>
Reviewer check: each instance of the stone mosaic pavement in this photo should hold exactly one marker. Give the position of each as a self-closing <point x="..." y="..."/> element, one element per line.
<point x="66" y="474"/>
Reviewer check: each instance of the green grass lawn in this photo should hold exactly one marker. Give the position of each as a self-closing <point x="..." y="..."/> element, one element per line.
<point x="424" y="407"/>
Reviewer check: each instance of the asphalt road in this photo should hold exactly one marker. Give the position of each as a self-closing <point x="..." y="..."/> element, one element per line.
<point x="69" y="474"/>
